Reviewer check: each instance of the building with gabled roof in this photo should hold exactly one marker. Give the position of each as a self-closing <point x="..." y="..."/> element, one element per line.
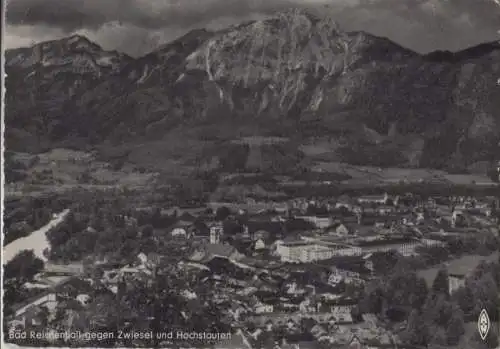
<point x="237" y="340"/>
<point x="205" y="252"/>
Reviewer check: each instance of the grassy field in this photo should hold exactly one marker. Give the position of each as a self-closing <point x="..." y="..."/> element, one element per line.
<point x="64" y="167"/>
<point x="464" y="263"/>
<point x="140" y="165"/>
<point x="371" y="174"/>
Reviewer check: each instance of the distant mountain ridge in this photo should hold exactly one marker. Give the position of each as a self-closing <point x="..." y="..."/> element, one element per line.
<point x="76" y="51"/>
<point x="365" y="99"/>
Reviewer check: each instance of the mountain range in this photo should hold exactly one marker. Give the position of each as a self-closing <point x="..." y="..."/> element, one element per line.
<point x="278" y="94"/>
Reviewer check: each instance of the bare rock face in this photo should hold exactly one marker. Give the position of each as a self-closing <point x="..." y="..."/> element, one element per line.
<point x="295" y="75"/>
<point x="42" y="79"/>
<point x="73" y="54"/>
<point x="284" y="60"/>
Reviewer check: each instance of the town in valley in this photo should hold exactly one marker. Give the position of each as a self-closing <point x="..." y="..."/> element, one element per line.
<point x="348" y="271"/>
<point x="279" y="174"/>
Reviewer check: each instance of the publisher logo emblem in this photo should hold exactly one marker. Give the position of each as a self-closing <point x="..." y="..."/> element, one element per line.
<point x="483" y="324"/>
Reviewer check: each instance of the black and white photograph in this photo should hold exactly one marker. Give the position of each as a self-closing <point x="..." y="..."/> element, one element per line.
<point x="251" y="174"/>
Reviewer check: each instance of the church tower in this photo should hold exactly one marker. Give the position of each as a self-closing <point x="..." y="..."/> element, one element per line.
<point x="386" y="198"/>
<point x="454" y="219"/>
<point x="359" y="212"/>
<point x="245" y="231"/>
<point x="216" y="233"/>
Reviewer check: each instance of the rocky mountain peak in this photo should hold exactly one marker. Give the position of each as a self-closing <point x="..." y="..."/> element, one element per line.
<point x="277" y="57"/>
<point x="370" y="100"/>
<point x="79" y="43"/>
<point x="75" y="52"/>
<point x="272" y="48"/>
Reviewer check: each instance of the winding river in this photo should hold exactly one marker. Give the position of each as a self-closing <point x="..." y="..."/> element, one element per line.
<point x="36" y="241"/>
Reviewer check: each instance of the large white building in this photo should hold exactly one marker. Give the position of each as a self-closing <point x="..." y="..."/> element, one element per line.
<point x="318" y="221"/>
<point x="374" y="199"/>
<point x="314" y="249"/>
<point x="309" y="251"/>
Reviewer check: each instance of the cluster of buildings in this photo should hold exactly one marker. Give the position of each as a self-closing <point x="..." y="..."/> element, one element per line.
<point x="294" y="277"/>
<point x="275" y="304"/>
<point x="291" y="275"/>
<point x="356" y="227"/>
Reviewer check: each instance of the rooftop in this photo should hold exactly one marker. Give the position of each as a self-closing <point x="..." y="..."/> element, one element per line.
<point x="236" y="341"/>
<point x="182" y="224"/>
<point x="467" y="264"/>
<point x="206" y="251"/>
<point x="296" y="243"/>
<point x="383" y="241"/>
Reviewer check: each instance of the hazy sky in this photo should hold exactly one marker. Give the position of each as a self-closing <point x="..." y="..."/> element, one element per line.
<point x="138" y="26"/>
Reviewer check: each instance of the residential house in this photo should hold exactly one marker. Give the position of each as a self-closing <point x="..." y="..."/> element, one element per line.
<point x="129" y="273"/>
<point x="433" y="243"/>
<point x="235" y="282"/>
<point x="386" y="221"/>
<point x="355" y="343"/>
<point x="182" y="229"/>
<point x="237" y="340"/>
<point x="347" y="273"/>
<point x="367" y="219"/>
<point x="261" y="235"/>
<point x="300" y="345"/>
<point x="342" y="313"/>
<point x="459" y="270"/>
<point x="385" y="210"/>
<point x="34" y="316"/>
<point x="369" y="265"/>
<point x="288" y="307"/>
<point x="73" y="287"/>
<point x="262" y="308"/>
<point x="334" y="279"/>
<point x="367" y="209"/>
<point x="320" y="222"/>
<point x="307" y="306"/>
<point x="264" y="338"/>
<point x="356" y="337"/>
<point x="260" y="245"/>
<point x="294" y="289"/>
<point x="237" y="311"/>
<point x="269" y="325"/>
<point x="346" y="202"/>
<point x="281" y="207"/>
<point x="375" y="199"/>
<point x="329" y="297"/>
<point x="189" y="214"/>
<point x="256" y="334"/>
<point x="373" y="338"/>
<point x="370" y="319"/>
<point x="318" y="330"/>
<point x="292" y="325"/>
<point x="207" y="252"/>
<point x="65" y="269"/>
<point x="343" y="230"/>
<point x="27" y="312"/>
<point x="265" y="229"/>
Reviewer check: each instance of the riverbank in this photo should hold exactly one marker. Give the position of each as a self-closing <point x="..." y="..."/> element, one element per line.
<point x="36" y="241"/>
